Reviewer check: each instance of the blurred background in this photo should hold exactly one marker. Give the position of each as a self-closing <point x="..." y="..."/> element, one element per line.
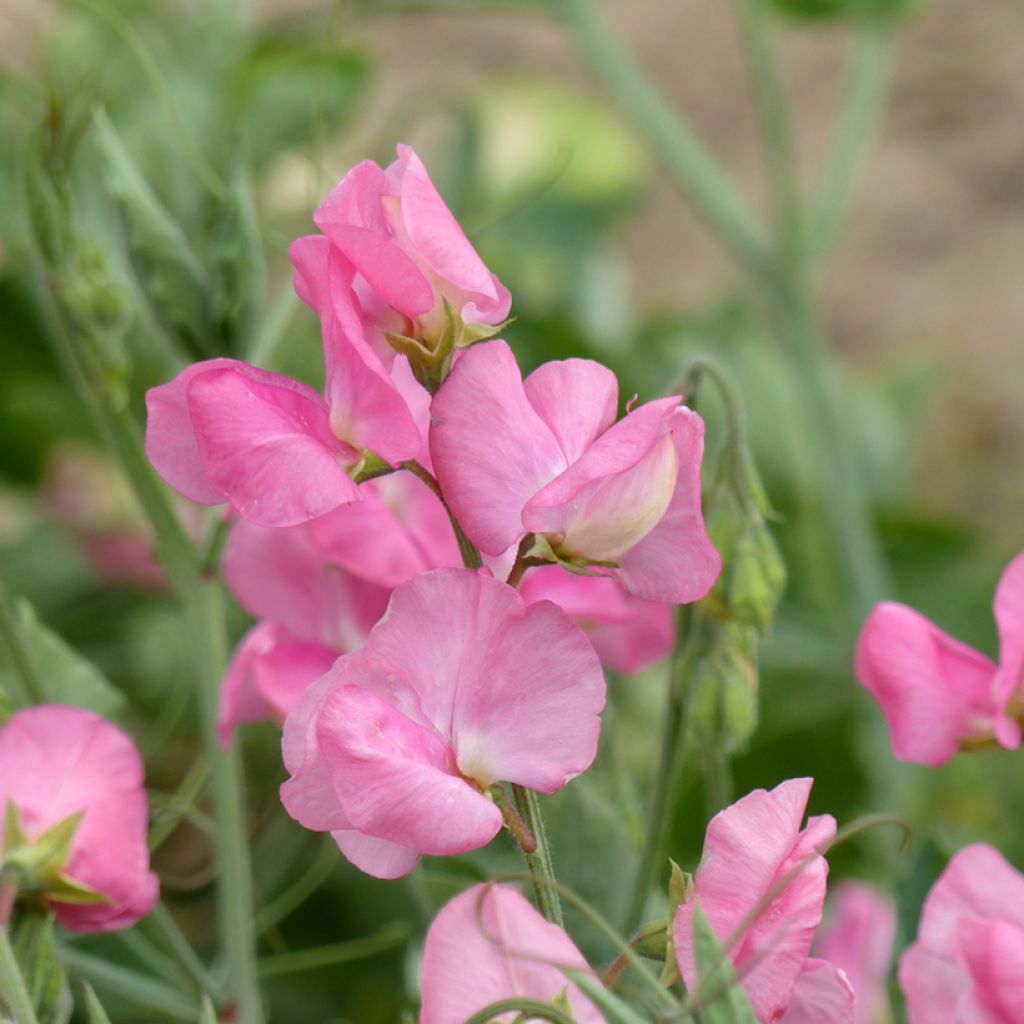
<point x="158" y="156"/>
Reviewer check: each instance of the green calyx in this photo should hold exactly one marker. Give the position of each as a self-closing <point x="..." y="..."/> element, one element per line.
<point x="38" y="867"/>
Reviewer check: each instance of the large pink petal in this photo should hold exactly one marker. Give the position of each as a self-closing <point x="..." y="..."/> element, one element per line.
<point x="376" y="857"/>
<point x="823" y="995"/>
<point x="355" y="199"/>
<point x="750" y="847"/>
<point x="533" y="720"/>
<point x="858" y="937"/>
<point x="491" y="450"/>
<point x="439" y="241"/>
<point x="577" y="398"/>
<point x="266" y="443"/>
<point x="628" y="634"/>
<point x="994" y="955"/>
<point x="933" y="690"/>
<point x="676" y="562"/>
<point x="310" y="256"/>
<point x="1009" y="612"/>
<point x="288" y="576"/>
<point x="932" y="986"/>
<point x="396" y="780"/>
<point x="57" y="760"/>
<point x="489" y="944"/>
<point x="171" y="444"/>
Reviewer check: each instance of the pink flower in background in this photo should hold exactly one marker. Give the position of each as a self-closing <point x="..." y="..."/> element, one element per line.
<point x="628" y="633"/>
<point x="858" y="936"/>
<point x="749" y="849"/>
<point x="546" y="456"/>
<point x="936" y="693"/>
<point x="967" y="965"/>
<point x="460" y="685"/>
<point x="395" y="245"/>
<point x="823" y="995"/>
<point x="489" y="944"/>
<point x="57" y="761"/>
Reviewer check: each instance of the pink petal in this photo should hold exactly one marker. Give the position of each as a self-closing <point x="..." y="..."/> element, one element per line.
<point x="750" y="846"/>
<point x="489" y="944"/>
<point x="858" y="937"/>
<point x="932" y="986"/>
<point x="310" y="256"/>
<point x="266" y="444"/>
<point x="577" y="399"/>
<point x="171" y="444"/>
<point x="616" y="493"/>
<point x="627" y="633"/>
<point x="491" y="450"/>
<point x="823" y="995"/>
<point x="676" y="562"/>
<point x="57" y="760"/>
<point x="268" y="673"/>
<point x="994" y="955"/>
<point x="288" y="576"/>
<point x="376" y="857"/>
<point x="438" y="240"/>
<point x="395" y="778"/>
<point x="933" y="690"/>
<point x="356" y="199"/>
<point x="397" y="531"/>
<point x="1009" y="612"/>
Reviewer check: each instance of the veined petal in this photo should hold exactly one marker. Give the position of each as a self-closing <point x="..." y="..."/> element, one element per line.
<point x="1009" y="613"/>
<point x="266" y="443"/>
<point x="376" y="857"/>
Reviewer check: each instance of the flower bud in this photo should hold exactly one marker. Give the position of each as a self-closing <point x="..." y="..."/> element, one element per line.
<point x="723" y="712"/>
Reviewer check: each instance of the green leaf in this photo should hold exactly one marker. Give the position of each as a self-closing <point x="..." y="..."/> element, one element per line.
<point x="207" y="1013"/>
<point x="66" y="677"/>
<point x="825" y="9"/>
<point x="615" y="1011"/>
<point x="169" y="271"/>
<point x="36" y="952"/>
<point x="722" y="1001"/>
<point x="14" y="834"/>
<point x="94" y="1012"/>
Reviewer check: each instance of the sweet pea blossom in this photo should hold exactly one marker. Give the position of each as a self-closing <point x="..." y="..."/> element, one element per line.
<point x="489" y="944"/>
<point x="937" y="694"/>
<point x="459" y="686"/>
<point x="857" y="937"/>
<point x="390" y="240"/>
<point x="545" y="456"/>
<point x="319" y="588"/>
<point x="58" y="761"/>
<point x="750" y="850"/>
<point x="967" y="965"/>
<point x="628" y="633"/>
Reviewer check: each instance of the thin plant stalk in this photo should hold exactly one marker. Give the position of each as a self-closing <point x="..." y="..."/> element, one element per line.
<point x="13" y="990"/>
<point x="27" y="684"/>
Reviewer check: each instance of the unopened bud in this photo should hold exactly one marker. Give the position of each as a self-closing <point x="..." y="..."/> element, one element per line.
<point x="723" y="712"/>
<point x="757" y="578"/>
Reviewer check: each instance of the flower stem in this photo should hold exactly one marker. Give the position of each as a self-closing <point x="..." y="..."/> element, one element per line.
<point x="27" y="682"/>
<point x="470" y="555"/>
<point x="13" y="990"/>
<point x="538" y="862"/>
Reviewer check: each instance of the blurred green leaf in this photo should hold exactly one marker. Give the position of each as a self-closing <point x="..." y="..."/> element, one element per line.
<point x="95" y="1014"/>
<point x="824" y="9"/>
<point x="66" y="677"/>
<point x="34" y="947"/>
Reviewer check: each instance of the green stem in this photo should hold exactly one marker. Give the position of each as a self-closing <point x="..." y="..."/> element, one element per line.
<point x="698" y="172"/>
<point x="773" y="119"/>
<point x="668" y="772"/>
<point x="27" y="683"/>
<point x="526" y="1009"/>
<point x="13" y="990"/>
<point x="390" y="936"/>
<point x="538" y="862"/>
<point x="470" y="555"/>
<point x="864" y="96"/>
<point x="163" y="922"/>
<point x="234" y="867"/>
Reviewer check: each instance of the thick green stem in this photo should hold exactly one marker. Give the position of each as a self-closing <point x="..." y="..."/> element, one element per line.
<point x="864" y="97"/>
<point x="234" y="868"/>
<point x="538" y="862"/>
<point x="696" y="170"/>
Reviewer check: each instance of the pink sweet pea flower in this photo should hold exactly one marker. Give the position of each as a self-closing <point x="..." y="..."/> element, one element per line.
<point x="490" y="944"/>
<point x="57" y="761"/>
<point x="545" y="456"/>
<point x="459" y="686"/>
<point x="858" y="937"/>
<point x="750" y="848"/>
<point x="967" y="965"/>
<point x="937" y="694"/>
<point x="396" y="245"/>
<point x="823" y="995"/>
<point x="628" y="633"/>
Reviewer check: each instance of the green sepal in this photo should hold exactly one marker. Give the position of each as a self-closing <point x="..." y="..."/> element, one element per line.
<point x="369" y="467"/>
<point x="64" y="889"/>
<point x="94" y="1012"/>
<point x="542" y="551"/>
<point x="652" y="939"/>
<point x="14" y="835"/>
<point x="472" y="333"/>
<point x="680" y="887"/>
